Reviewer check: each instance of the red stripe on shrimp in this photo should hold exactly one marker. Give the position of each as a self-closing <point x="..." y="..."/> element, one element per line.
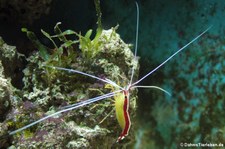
<point x="126" y="129"/>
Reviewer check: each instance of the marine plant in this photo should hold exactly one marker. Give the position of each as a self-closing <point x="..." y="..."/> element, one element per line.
<point x="89" y="47"/>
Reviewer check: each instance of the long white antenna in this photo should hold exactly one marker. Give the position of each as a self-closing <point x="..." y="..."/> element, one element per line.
<point x="80" y="104"/>
<point x="86" y="74"/>
<point x="171" y="57"/>
<point x="92" y="99"/>
<point x="136" y="43"/>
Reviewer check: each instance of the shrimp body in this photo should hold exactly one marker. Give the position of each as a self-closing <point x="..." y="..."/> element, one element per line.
<point x="122" y="114"/>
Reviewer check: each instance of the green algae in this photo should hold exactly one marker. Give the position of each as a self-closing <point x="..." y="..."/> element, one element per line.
<point x="42" y="49"/>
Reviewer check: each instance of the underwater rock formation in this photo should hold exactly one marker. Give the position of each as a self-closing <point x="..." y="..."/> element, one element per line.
<point x="5" y="93"/>
<point x="12" y="62"/>
<point x="47" y="90"/>
<point x="6" y="89"/>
